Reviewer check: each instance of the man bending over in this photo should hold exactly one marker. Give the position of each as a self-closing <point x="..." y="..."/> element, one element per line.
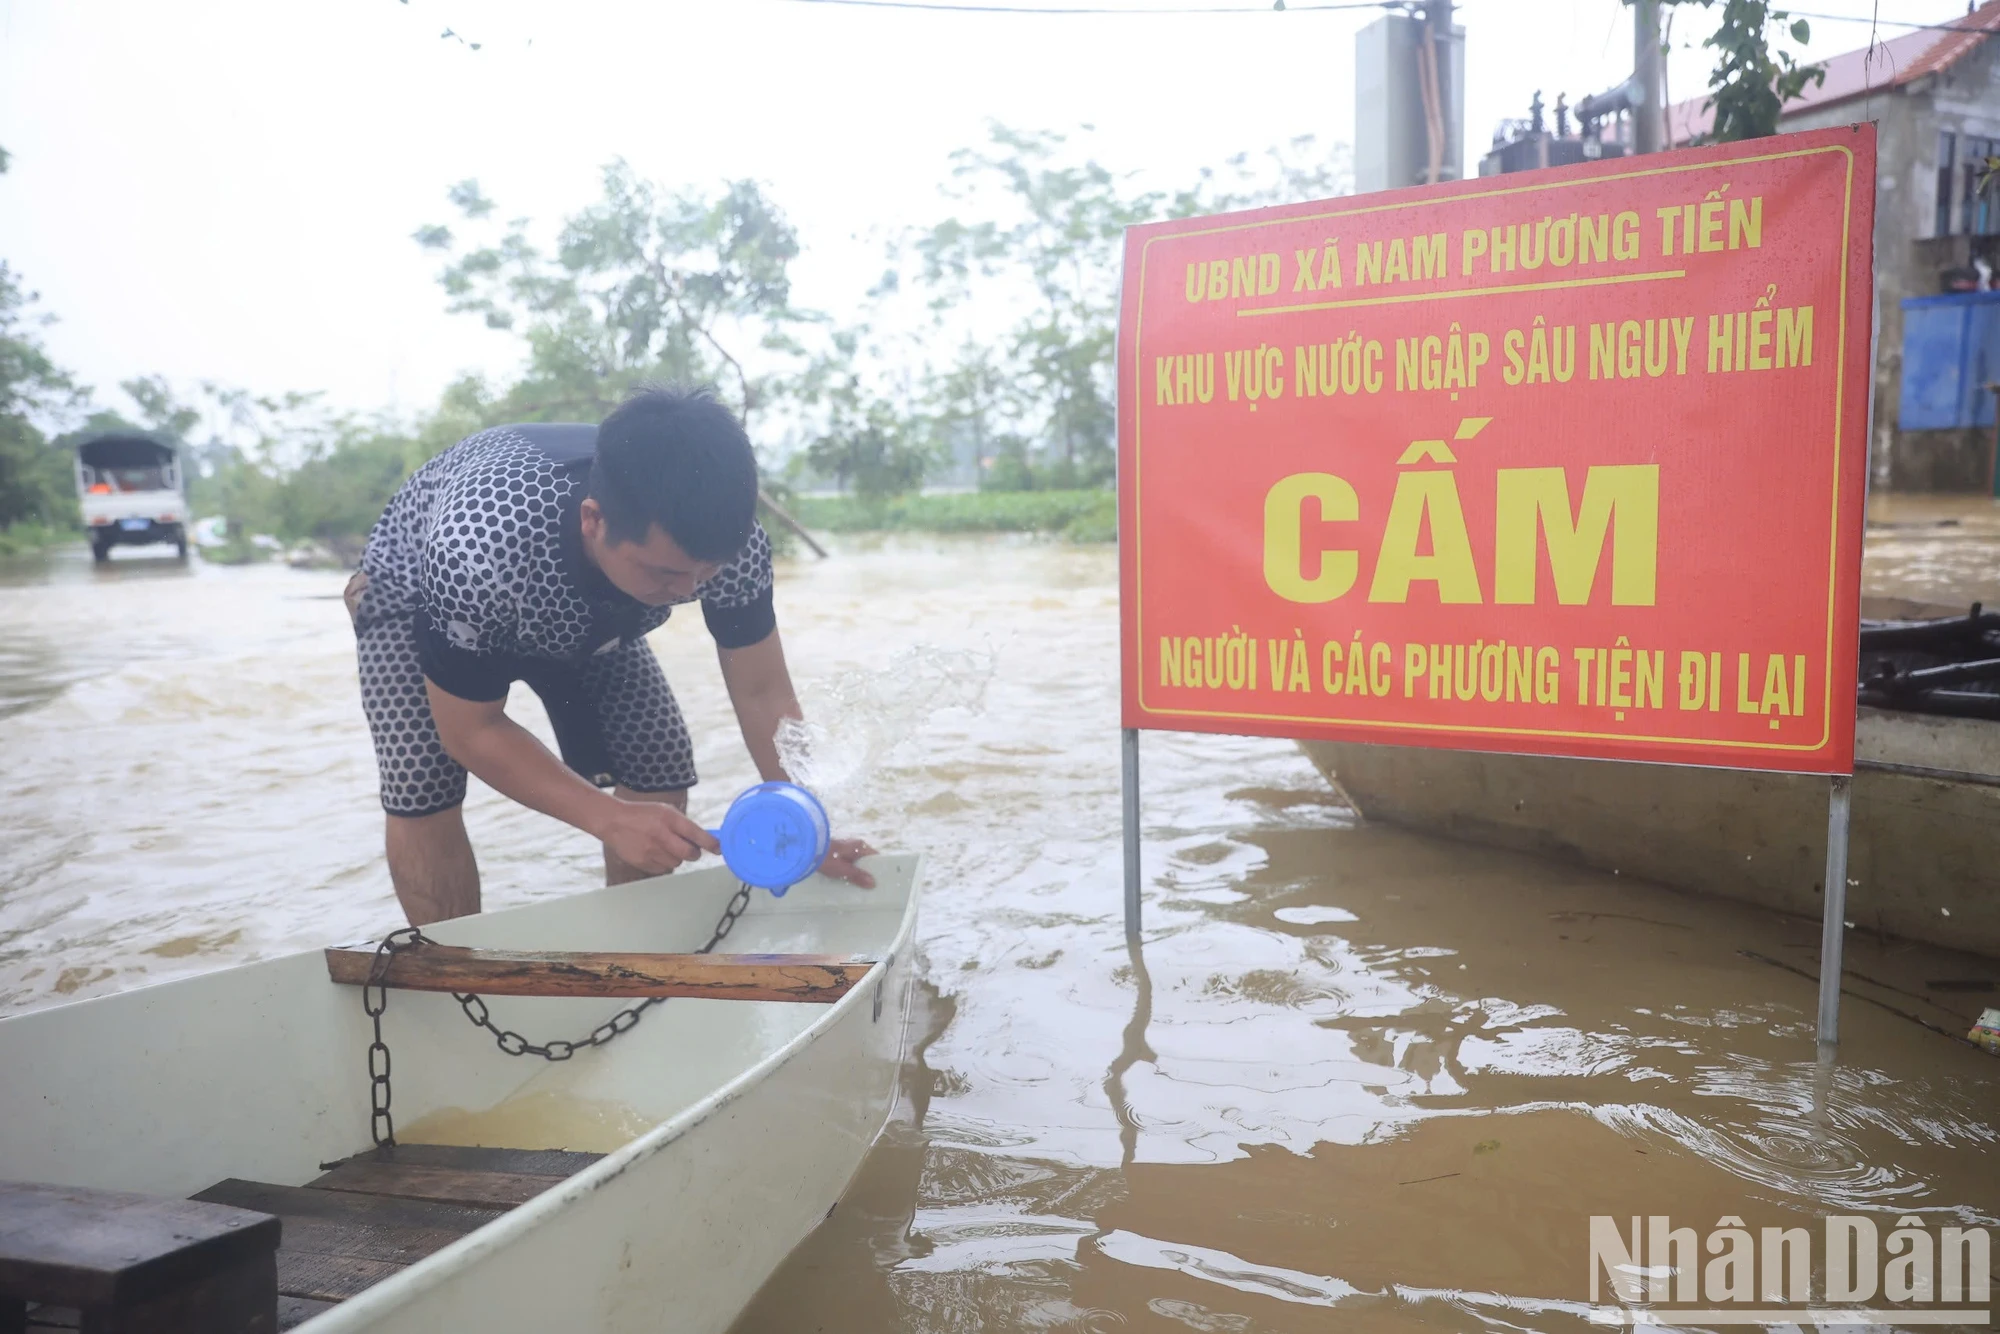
<point x="545" y="553"/>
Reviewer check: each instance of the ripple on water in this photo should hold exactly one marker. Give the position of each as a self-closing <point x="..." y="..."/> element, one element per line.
<point x="1816" y="1164"/>
<point x="1829" y="1139"/>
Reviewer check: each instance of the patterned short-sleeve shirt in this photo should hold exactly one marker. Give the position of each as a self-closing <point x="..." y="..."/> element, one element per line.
<point x="483" y="546"/>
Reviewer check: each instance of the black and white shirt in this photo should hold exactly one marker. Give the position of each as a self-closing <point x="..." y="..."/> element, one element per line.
<point x="483" y="546"/>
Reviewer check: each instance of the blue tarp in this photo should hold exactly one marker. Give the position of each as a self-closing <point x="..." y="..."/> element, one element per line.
<point x="1951" y="352"/>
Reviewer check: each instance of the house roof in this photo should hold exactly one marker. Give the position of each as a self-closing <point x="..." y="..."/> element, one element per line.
<point x="1887" y="64"/>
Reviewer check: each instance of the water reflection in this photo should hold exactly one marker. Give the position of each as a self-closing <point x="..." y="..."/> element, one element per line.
<point x="1133" y="1050"/>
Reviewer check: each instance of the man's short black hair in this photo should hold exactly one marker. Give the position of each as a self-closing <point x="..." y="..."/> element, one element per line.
<point x="677" y="458"/>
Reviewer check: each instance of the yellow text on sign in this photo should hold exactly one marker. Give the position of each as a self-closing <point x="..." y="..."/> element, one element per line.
<point x="1532" y="513"/>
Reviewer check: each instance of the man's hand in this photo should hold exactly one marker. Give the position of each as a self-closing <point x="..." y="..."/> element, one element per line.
<point x="760" y="688"/>
<point x="652" y="836"/>
<point x="842" y="862"/>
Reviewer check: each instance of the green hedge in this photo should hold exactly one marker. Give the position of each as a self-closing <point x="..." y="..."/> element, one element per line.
<point x="29" y="535"/>
<point x="1081" y="516"/>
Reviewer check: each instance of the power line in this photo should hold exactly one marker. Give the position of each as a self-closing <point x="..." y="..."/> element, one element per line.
<point x="1871" y="20"/>
<point x="938" y="6"/>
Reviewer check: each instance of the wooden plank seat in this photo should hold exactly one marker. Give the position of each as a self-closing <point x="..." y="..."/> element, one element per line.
<point x="369" y="1217"/>
<point x="813" y="978"/>
<point x="364" y="1219"/>
<point x="107" y="1262"/>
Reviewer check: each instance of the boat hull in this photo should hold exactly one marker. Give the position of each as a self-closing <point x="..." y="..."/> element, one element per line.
<point x="761" y="1112"/>
<point x="1926" y="821"/>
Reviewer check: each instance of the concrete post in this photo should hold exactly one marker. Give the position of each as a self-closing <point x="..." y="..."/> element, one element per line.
<point x="1649" y="117"/>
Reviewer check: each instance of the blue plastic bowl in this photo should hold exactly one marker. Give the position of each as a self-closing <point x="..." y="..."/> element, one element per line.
<point x="775" y="835"/>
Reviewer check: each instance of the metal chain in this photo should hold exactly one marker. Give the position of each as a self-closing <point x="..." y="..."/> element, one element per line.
<point x="515" y="1045"/>
<point x="383" y="1126"/>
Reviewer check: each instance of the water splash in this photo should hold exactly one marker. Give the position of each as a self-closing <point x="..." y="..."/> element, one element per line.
<point x="857" y="719"/>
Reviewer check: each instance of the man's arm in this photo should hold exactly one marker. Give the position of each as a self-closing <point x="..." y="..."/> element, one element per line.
<point x="760" y="688"/>
<point x="478" y="734"/>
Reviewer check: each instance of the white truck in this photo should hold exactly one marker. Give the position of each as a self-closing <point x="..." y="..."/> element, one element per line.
<point x="131" y="488"/>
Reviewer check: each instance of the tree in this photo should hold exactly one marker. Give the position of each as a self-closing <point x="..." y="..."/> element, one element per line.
<point x="972" y="407"/>
<point x="344" y="482"/>
<point x="1751" y="83"/>
<point x="866" y="442"/>
<point x="1060" y="223"/>
<point x="1298" y="169"/>
<point x="297" y="468"/>
<point x="36" y="481"/>
<point x="875" y="449"/>
<point x="286" y="464"/>
<point x="37" y="484"/>
<point x="641" y="285"/>
<point x="160" y="409"/>
<point x="1060" y="227"/>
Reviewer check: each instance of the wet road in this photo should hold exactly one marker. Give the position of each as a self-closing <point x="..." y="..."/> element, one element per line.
<point x="1356" y="1078"/>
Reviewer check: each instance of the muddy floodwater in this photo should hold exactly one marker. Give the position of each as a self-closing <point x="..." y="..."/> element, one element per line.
<point x="1355" y="1079"/>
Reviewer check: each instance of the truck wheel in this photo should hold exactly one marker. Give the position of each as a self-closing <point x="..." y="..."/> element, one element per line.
<point x="100" y="550"/>
<point x="181" y="546"/>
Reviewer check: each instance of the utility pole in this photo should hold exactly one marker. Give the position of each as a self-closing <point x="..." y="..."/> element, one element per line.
<point x="1649" y="116"/>
<point x="1437" y="14"/>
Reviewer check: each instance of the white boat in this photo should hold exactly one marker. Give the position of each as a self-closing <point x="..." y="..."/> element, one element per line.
<point x="751" y="1116"/>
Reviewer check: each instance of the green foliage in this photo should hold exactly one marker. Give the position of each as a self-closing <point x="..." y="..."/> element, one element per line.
<point x="1082" y="515"/>
<point x="310" y="473"/>
<point x="1036" y="405"/>
<point x="341" y="488"/>
<point x="159" y="410"/>
<point x="641" y="286"/>
<point x="287" y="465"/>
<point x="1989" y="174"/>
<point x="1060" y="229"/>
<point x="1098" y="523"/>
<point x="1010" y="468"/>
<point x="31" y="535"/>
<point x="37" y="478"/>
<point x="873" y="449"/>
<point x="1751" y="83"/>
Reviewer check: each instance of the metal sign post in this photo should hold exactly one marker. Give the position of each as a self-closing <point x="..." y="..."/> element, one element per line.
<point x="1833" y="927"/>
<point x="1131" y="793"/>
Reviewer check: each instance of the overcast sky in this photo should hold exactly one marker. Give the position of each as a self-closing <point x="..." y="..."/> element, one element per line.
<point x="226" y="191"/>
